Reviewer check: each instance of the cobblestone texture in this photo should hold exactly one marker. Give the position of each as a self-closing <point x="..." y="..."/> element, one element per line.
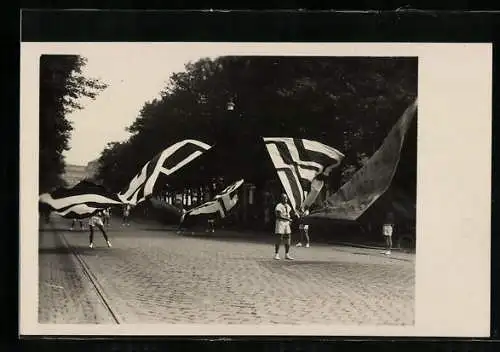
<point x="65" y="295"/>
<point x="156" y="276"/>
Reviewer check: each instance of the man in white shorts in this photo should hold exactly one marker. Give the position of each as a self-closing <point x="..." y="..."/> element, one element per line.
<point x="96" y="220"/>
<point x="387" y="231"/>
<point x="283" y="229"/>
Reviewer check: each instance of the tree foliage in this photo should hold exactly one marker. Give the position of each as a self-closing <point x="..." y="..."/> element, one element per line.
<point x="348" y="103"/>
<point x="61" y="87"/>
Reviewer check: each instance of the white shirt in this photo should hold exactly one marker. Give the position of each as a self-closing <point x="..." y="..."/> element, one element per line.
<point x="283" y="226"/>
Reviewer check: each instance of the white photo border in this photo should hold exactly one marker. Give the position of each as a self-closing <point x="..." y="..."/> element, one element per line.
<point x="452" y="297"/>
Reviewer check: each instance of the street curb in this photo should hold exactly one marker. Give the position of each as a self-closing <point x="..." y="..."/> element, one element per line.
<point x="348" y="244"/>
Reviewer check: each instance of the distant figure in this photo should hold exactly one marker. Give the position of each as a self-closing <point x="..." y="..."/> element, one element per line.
<point x="304" y="229"/>
<point x="211" y="224"/>
<point x="283" y="229"/>
<point x="181" y="221"/>
<point x="96" y="220"/>
<point x="126" y="214"/>
<point x="82" y="227"/>
<point x="387" y="231"/>
<point x="107" y="217"/>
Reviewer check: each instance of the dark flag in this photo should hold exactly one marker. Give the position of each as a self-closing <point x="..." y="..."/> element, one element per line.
<point x="373" y="179"/>
<point x="301" y="165"/>
<point x="163" y="164"/>
<point x="80" y="201"/>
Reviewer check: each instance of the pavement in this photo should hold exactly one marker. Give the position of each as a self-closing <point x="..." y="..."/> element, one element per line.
<point x="154" y="275"/>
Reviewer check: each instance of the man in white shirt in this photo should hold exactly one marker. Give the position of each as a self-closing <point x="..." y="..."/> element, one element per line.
<point x="283" y="229"/>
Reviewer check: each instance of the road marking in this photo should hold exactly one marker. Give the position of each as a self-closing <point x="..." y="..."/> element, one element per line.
<point x="92" y="279"/>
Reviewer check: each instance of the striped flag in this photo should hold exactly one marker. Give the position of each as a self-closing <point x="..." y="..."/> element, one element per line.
<point x="80" y="201"/>
<point x="221" y="204"/>
<point x="301" y="165"/>
<point x="163" y="164"/>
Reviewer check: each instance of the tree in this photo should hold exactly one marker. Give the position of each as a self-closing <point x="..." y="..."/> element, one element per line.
<point x="348" y="103"/>
<point x="61" y="86"/>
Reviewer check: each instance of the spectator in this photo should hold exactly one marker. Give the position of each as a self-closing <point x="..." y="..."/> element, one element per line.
<point x="126" y="214"/>
<point x="387" y="231"/>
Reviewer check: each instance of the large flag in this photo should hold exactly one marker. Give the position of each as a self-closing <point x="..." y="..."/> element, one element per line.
<point x="220" y="205"/>
<point x="302" y="165"/>
<point x="80" y="201"/>
<point x="163" y="164"/>
<point x="373" y="179"/>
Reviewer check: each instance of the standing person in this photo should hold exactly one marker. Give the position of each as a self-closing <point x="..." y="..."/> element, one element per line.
<point x="211" y="223"/>
<point x="126" y="214"/>
<point x="304" y="229"/>
<point x="73" y="222"/>
<point x="387" y="230"/>
<point x="96" y="220"/>
<point x="106" y="216"/>
<point x="181" y="221"/>
<point x="283" y="229"/>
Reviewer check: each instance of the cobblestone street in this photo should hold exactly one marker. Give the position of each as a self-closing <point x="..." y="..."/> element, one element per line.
<point x="153" y="275"/>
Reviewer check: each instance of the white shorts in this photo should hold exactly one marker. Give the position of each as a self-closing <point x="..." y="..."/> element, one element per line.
<point x="387" y="230"/>
<point x="304" y="227"/>
<point x="283" y="227"/>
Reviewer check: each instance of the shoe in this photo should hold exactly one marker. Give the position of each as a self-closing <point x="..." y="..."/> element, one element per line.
<point x="91" y="245"/>
<point x="287" y="256"/>
<point x="307" y="245"/>
<point x="109" y="244"/>
<point x="298" y="245"/>
<point x="388" y="253"/>
<point x="277" y="256"/>
<point x="71" y="229"/>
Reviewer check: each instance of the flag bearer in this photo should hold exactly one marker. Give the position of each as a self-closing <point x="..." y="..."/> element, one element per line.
<point x="283" y="229"/>
<point x="96" y="220"/>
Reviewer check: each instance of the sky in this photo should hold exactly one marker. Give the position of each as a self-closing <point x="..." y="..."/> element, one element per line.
<point x="134" y="76"/>
<point x="137" y="72"/>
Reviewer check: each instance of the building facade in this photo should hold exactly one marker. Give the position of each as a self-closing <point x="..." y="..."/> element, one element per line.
<point x="73" y="174"/>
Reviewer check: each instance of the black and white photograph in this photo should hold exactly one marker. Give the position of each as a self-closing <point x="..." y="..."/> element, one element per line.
<point x="208" y="187"/>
